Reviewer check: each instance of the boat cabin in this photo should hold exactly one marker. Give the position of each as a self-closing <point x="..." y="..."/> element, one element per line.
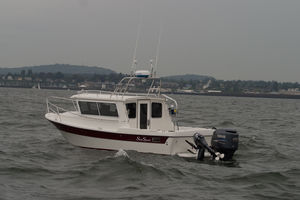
<point x="139" y="112"/>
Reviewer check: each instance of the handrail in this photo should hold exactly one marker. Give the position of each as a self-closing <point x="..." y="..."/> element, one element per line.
<point x="66" y="99"/>
<point x="94" y="91"/>
<point x="60" y="98"/>
<point x="174" y="119"/>
<point x="129" y="94"/>
<point x="122" y="88"/>
<point x="58" y="108"/>
<point x="112" y="93"/>
<point x="51" y="107"/>
<point x="171" y="99"/>
<point x="55" y="108"/>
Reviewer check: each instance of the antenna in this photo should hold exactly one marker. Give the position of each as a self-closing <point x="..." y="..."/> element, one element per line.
<point x="151" y="68"/>
<point x="157" y="49"/>
<point x="134" y="61"/>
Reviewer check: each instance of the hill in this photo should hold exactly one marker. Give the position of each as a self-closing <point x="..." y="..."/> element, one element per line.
<point x="189" y="77"/>
<point x="63" y="68"/>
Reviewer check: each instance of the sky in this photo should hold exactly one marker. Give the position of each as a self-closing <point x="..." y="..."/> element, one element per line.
<point x="226" y="39"/>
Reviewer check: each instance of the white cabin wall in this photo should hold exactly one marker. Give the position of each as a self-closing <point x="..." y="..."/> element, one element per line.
<point x="121" y="111"/>
<point x="132" y="122"/>
<point x="163" y="123"/>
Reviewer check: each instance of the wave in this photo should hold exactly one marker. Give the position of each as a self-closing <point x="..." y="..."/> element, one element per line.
<point x="261" y="177"/>
<point x="27" y="171"/>
<point x="121" y="152"/>
<point x="226" y="123"/>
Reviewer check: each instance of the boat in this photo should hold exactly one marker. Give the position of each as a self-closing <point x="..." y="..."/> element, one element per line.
<point x="38" y="86"/>
<point x="143" y="122"/>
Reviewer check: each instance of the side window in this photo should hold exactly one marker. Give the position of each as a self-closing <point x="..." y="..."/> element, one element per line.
<point x="131" y="110"/>
<point x="156" y="110"/>
<point x="89" y="108"/>
<point x="108" y="109"/>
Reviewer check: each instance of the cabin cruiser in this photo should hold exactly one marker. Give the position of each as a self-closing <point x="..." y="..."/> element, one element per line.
<point x="143" y="122"/>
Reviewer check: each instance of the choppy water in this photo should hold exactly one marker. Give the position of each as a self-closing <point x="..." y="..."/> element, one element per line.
<point x="37" y="163"/>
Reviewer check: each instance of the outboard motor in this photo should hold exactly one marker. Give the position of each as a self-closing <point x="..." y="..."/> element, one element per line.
<point x="201" y="145"/>
<point x="225" y="141"/>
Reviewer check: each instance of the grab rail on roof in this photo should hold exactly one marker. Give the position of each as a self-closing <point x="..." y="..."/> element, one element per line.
<point x="123" y="85"/>
<point x="112" y="93"/>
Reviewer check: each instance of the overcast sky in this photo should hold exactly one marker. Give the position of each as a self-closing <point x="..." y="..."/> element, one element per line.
<point x="227" y="39"/>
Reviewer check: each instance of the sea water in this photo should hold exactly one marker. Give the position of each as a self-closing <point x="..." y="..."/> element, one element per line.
<point x="36" y="162"/>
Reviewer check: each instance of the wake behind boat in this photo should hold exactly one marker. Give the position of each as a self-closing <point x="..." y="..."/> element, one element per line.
<point x="143" y="122"/>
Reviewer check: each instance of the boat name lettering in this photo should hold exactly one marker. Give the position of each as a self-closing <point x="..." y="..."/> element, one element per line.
<point x="142" y="139"/>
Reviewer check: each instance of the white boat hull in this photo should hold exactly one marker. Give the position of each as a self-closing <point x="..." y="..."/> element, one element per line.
<point x="172" y="146"/>
<point x="167" y="143"/>
<point x="109" y="144"/>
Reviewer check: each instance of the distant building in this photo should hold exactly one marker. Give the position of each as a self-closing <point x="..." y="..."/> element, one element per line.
<point x="9" y="77"/>
<point x="214" y="91"/>
<point x="166" y="90"/>
<point x="82" y="86"/>
<point x="186" y="91"/>
<point x="28" y="78"/>
<point x="290" y="91"/>
<point x="187" y="87"/>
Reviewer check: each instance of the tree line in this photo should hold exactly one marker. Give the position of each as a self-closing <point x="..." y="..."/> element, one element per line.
<point x="225" y="86"/>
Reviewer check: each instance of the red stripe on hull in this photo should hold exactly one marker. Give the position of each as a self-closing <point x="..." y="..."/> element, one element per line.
<point x="98" y="148"/>
<point x="112" y="136"/>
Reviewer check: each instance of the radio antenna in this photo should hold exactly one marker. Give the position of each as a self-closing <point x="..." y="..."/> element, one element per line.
<point x="134" y="61"/>
<point x="157" y="49"/>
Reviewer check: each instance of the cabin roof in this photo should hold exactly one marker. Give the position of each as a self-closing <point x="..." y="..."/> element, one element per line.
<point x="114" y="97"/>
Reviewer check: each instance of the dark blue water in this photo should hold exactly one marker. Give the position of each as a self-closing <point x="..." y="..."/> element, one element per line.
<point x="37" y="163"/>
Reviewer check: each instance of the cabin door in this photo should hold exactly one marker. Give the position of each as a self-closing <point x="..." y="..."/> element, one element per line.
<point x="143" y="114"/>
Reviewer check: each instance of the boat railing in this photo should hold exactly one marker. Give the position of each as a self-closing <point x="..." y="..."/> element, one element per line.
<point x="173" y="105"/>
<point x="94" y="92"/>
<point x="116" y="94"/>
<point x="52" y="107"/>
<point x="123" y="86"/>
<point x="172" y="101"/>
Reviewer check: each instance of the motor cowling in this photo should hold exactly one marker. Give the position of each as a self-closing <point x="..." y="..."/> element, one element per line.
<point x="225" y="141"/>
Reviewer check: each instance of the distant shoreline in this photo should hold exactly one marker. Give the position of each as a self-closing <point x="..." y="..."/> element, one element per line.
<point x="271" y="96"/>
